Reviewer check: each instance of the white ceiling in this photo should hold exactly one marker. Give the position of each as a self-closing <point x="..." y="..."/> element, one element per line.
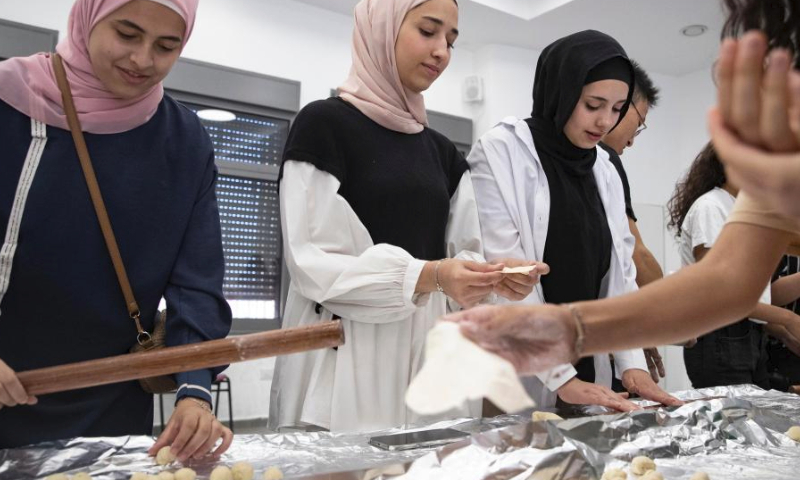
<point x="648" y="29"/>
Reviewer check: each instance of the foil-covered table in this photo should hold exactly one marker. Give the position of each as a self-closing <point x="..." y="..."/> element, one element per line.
<point x="736" y="433"/>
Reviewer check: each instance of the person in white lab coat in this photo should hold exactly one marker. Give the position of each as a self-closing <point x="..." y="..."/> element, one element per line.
<point x="546" y="191"/>
<point x="374" y="207"/>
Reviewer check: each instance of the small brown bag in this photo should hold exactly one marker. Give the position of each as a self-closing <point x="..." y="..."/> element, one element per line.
<point x="144" y="340"/>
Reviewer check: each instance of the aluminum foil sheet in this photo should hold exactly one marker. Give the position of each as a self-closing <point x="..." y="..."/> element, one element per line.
<point x="738" y="433"/>
<point x="296" y="454"/>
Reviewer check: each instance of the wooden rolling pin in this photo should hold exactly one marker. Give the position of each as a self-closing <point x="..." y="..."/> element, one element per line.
<point x="181" y="359"/>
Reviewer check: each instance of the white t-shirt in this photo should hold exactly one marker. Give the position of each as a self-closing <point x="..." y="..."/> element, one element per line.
<point x="703" y="224"/>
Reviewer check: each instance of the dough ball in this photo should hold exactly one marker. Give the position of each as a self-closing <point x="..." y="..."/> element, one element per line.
<point x="242" y="471"/>
<point x="166" y="476"/>
<point x="221" y="473"/>
<point x="139" y="476"/>
<point x="81" y="476"/>
<point x="614" y="474"/>
<point x="794" y="433"/>
<point x="700" y="476"/>
<point x="652" y="475"/>
<point x="185" y="474"/>
<point x="641" y="465"/>
<point x="273" y="473"/>
<point x="57" y="476"/>
<point x="541" y="416"/>
<point x="165" y="456"/>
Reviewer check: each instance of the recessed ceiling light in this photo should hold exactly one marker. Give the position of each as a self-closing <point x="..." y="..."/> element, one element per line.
<point x="694" y="30"/>
<point x="213" y="115"/>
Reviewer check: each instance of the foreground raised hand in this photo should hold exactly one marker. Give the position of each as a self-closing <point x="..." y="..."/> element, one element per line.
<point x="755" y="127"/>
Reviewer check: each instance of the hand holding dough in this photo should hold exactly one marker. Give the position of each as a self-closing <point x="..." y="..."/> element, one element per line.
<point x="641" y="465"/>
<point x="165" y="456"/>
<point x="457" y="370"/>
<point x="525" y="270"/>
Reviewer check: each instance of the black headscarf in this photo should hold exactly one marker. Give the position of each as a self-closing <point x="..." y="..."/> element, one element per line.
<point x="578" y="245"/>
<point x="564" y="67"/>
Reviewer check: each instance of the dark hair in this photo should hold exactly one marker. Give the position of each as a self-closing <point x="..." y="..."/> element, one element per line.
<point x="778" y="19"/>
<point x="705" y="173"/>
<point x="643" y="88"/>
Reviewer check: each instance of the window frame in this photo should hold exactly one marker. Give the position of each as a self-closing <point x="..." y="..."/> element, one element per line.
<point x="197" y="82"/>
<point x="22" y="40"/>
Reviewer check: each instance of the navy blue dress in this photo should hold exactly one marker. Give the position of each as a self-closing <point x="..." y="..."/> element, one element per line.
<point x="63" y="302"/>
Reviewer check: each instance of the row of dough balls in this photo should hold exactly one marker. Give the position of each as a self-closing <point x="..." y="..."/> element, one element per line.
<point x="239" y="471"/>
<point x="645" y="469"/>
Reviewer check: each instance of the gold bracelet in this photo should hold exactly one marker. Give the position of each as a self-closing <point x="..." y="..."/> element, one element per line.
<point x="436" y="276"/>
<point x="203" y="404"/>
<point x="579" y="329"/>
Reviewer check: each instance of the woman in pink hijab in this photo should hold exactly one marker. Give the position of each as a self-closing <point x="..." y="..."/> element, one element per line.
<point x="60" y="301"/>
<point x="380" y="226"/>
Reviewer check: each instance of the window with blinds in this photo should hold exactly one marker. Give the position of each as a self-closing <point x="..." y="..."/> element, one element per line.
<point x="248" y="150"/>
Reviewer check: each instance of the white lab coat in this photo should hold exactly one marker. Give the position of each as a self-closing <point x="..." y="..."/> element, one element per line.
<point x="514" y="208"/>
<point x="332" y="261"/>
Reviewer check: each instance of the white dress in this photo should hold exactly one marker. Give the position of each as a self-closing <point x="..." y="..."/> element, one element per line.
<point x="332" y="261"/>
<point x="514" y="208"/>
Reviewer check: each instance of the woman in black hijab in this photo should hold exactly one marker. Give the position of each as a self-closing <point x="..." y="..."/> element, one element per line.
<point x="545" y="190"/>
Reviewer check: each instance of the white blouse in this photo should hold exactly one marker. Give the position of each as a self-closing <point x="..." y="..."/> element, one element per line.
<point x="332" y="261"/>
<point x="514" y="208"/>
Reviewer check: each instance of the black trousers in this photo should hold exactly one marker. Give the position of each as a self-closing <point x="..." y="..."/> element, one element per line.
<point x="732" y="355"/>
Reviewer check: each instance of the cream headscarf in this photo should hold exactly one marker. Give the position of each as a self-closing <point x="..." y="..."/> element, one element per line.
<point x="373" y="85"/>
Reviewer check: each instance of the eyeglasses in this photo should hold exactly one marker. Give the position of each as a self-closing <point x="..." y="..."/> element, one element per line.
<point x="642" y="126"/>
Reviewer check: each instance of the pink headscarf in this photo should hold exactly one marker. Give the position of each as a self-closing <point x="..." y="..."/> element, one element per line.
<point x="29" y="84"/>
<point x="373" y="85"/>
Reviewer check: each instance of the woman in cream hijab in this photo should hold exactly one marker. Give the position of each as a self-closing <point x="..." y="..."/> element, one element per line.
<point x="380" y="225"/>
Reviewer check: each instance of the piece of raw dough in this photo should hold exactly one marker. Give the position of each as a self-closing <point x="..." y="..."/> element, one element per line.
<point x="242" y="471"/>
<point x="526" y="269"/>
<point x="641" y="465"/>
<point x="541" y="416"/>
<point x="614" y="474"/>
<point x="457" y="370"/>
<point x="165" y="456"/>
<point x="794" y="433"/>
<point x="165" y="476"/>
<point x="221" y="473"/>
<point x="81" y="476"/>
<point x="57" y="476"/>
<point x="273" y="473"/>
<point x="652" y="475"/>
<point x="139" y="476"/>
<point x="700" y="476"/>
<point x="185" y="474"/>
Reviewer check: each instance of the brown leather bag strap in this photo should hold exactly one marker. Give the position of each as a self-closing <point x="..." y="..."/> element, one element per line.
<point x="97" y="197"/>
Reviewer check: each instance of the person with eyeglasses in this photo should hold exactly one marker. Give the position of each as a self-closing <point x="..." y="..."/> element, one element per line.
<point x="545" y="190"/>
<point x="645" y="97"/>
